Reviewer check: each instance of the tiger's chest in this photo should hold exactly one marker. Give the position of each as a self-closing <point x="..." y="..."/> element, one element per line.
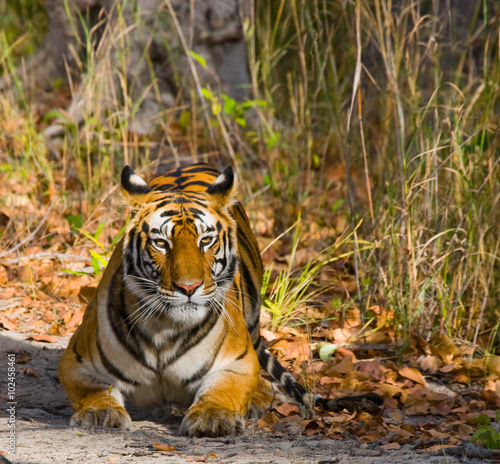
<point x="167" y="365"/>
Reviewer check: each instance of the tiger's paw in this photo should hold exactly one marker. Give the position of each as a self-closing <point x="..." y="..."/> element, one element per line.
<point x="110" y="417"/>
<point x="212" y="421"/>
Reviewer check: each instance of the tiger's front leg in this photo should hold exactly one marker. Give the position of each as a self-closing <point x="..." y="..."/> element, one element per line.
<point x="223" y="400"/>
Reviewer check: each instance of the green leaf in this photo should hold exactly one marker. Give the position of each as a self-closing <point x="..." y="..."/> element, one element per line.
<point x="90" y="237"/>
<point x="99" y="259"/>
<point x="273" y="139"/>
<point x="216" y="107"/>
<point x="315" y="160"/>
<point x="241" y="121"/>
<point x="325" y="350"/>
<point x="483" y="419"/>
<point x="98" y="230"/>
<point x="198" y="58"/>
<point x="253" y="103"/>
<point x="184" y="119"/>
<point x="79" y="273"/>
<point x="337" y="205"/>
<point x="273" y="307"/>
<point x="75" y="220"/>
<point x="206" y="93"/>
<point x="229" y="105"/>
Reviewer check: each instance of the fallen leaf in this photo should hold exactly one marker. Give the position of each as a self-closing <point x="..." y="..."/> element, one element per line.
<point x="287" y="409"/>
<point x="431" y="364"/>
<point x="435" y="448"/>
<point x="465" y="430"/>
<point x="443" y="346"/>
<point x="342" y="367"/>
<point x="159" y="447"/>
<point x="494" y="366"/>
<point x="22" y="356"/>
<point x="448" y="368"/>
<point x="396" y="415"/>
<point x="391" y="446"/>
<point x="342" y="417"/>
<point x="56" y="329"/>
<point x="312" y="427"/>
<point x="7" y="324"/>
<point x="3" y="275"/>
<point x="268" y="421"/>
<point x="76" y="318"/>
<point x="372" y="368"/>
<point x="294" y="346"/>
<point x="43" y="338"/>
<point x="268" y="335"/>
<point x="417" y="408"/>
<point x="86" y="293"/>
<point x="412" y="374"/>
<point x="204" y="459"/>
<point x="27" y="370"/>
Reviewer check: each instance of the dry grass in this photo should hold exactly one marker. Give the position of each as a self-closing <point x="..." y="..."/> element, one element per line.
<point x="403" y="97"/>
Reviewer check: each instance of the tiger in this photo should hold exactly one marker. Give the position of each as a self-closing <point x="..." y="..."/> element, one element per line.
<point x="176" y="316"/>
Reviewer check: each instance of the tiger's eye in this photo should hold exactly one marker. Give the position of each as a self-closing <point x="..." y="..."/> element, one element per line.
<point x="205" y="241"/>
<point x="160" y="243"/>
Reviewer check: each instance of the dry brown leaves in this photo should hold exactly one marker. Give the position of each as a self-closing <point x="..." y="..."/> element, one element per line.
<point x="427" y="402"/>
<point x="432" y="394"/>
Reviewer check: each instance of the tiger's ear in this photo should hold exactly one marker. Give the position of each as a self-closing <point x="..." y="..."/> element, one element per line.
<point x="224" y="189"/>
<point x="134" y="189"/>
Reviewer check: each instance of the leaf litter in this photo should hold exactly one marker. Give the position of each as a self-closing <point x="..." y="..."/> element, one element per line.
<point x="433" y="391"/>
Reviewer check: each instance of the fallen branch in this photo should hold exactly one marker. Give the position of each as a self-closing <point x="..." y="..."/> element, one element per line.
<point x="467" y="450"/>
<point x="46" y="255"/>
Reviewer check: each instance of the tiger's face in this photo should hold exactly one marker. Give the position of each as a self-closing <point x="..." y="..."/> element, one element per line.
<point x="180" y="252"/>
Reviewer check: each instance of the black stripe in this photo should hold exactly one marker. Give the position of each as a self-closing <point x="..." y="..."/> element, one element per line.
<point x="138" y="243"/>
<point x="110" y="367"/>
<point x="194" y="336"/>
<point x="208" y="365"/>
<point x="251" y="290"/>
<point x="199" y="183"/>
<point x="118" y="319"/>
<point x="196" y="212"/>
<point x="200" y="167"/>
<point x="242" y="355"/>
<point x="254" y="324"/>
<point x="170" y="213"/>
<point x="242" y="240"/>
<point x="184" y="200"/>
<point x="78" y="356"/>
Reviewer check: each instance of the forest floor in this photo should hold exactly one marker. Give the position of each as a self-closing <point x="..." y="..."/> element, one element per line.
<point x="45" y="437"/>
<point x="434" y="390"/>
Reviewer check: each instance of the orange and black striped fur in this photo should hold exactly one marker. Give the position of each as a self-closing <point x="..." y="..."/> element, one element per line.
<point x="176" y="315"/>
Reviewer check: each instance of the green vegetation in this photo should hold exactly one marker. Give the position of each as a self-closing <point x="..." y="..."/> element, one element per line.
<point x="402" y="100"/>
<point x="486" y="435"/>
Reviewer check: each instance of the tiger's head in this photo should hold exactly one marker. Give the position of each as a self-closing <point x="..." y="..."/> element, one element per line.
<point x="180" y="251"/>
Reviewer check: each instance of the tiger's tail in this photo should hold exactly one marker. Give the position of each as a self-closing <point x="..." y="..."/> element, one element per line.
<point x="366" y="402"/>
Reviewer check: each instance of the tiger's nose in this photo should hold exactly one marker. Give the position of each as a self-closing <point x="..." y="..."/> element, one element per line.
<point x="188" y="289"/>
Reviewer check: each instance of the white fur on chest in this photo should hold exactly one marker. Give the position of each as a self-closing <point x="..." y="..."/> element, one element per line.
<point x="170" y="385"/>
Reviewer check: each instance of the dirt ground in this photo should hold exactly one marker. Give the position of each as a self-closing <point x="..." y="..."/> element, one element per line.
<point x="44" y="436"/>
